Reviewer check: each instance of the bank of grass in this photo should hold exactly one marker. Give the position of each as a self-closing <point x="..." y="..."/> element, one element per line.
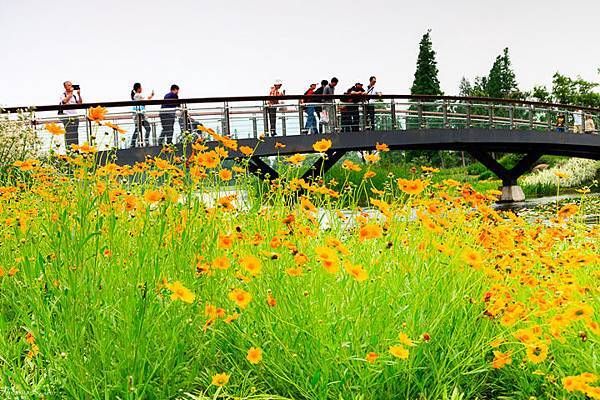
<point x="114" y="286"/>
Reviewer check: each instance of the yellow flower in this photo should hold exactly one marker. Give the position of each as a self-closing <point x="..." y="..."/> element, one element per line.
<point x="180" y="292"/>
<point x="225" y="174"/>
<point x="254" y="355"/>
<point x="246" y="150"/>
<point x="97" y="113"/>
<point x="296" y="159"/>
<point x="350" y="166"/>
<point x="251" y="264"/>
<point x="372" y="158"/>
<point x="537" y="351"/>
<point x="501" y="359"/>
<point x="240" y="297"/>
<point x="370" y="231"/>
<point x="560" y="174"/>
<point x="412" y="187"/>
<point x="153" y="196"/>
<point x="357" y="272"/>
<point x="55" y="129"/>
<point x="399" y="351"/>
<point x="220" y="379"/>
<point x="382" y="147"/>
<point x="404" y="339"/>
<point x="472" y="257"/>
<point x="322" y="145"/>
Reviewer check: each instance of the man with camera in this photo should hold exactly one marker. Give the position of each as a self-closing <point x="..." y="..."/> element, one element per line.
<point x="71" y="120"/>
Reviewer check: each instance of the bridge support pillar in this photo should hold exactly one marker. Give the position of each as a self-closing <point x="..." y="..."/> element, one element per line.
<point x="511" y="191"/>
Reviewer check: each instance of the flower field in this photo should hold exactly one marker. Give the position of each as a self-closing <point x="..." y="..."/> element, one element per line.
<point x="125" y="282"/>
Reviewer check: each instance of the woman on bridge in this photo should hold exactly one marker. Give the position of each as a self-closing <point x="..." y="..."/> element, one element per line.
<point x="138" y="115"/>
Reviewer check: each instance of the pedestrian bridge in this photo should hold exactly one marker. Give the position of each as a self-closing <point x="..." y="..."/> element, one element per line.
<point x="479" y="126"/>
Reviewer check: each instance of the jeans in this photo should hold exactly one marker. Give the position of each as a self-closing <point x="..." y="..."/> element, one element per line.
<point x="272" y="111"/>
<point x="71" y="125"/>
<point x="167" y="121"/>
<point x="311" y="120"/>
<point x="140" y="121"/>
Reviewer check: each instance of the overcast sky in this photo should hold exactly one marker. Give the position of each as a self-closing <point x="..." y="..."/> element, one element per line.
<point x="238" y="47"/>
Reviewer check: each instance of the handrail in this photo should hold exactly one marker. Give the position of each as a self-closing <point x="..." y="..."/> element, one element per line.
<point x="175" y="102"/>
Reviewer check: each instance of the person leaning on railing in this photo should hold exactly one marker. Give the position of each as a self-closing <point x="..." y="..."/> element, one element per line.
<point x="560" y="123"/>
<point x="70" y="121"/>
<point x="590" y="127"/>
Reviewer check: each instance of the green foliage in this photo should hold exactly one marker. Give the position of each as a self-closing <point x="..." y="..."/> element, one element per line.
<point x="566" y="90"/>
<point x="501" y="81"/>
<point x="426" y="76"/>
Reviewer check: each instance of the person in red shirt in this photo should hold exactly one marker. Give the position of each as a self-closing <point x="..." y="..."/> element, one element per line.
<point x="272" y="106"/>
<point x="310" y="110"/>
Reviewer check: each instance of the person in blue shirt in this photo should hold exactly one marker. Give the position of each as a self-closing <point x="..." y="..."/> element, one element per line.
<point x="167" y="116"/>
<point x="139" y="117"/>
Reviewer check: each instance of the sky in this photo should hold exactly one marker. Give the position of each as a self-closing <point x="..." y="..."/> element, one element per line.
<point x="239" y="47"/>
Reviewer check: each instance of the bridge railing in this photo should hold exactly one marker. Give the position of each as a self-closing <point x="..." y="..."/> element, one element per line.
<point x="252" y="117"/>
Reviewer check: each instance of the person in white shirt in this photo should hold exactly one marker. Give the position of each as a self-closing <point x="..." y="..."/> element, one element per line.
<point x="577" y="121"/>
<point x="139" y="117"/>
<point x="70" y="119"/>
<point x="371" y="103"/>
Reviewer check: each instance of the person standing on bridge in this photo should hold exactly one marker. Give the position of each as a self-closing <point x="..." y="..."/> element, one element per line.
<point x="319" y="109"/>
<point x="329" y="111"/>
<point x="167" y="116"/>
<point x="272" y="106"/>
<point x="371" y="103"/>
<point x="356" y="93"/>
<point x="70" y="121"/>
<point x="311" y="119"/>
<point x="590" y="127"/>
<point x="138" y="115"/>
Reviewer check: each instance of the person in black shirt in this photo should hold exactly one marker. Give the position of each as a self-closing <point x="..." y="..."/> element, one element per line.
<point x="353" y="113"/>
<point x="167" y="116"/>
<point x="318" y="109"/>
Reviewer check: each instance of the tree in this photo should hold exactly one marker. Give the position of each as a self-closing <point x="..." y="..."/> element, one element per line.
<point x="426" y="76"/>
<point x="501" y="81"/>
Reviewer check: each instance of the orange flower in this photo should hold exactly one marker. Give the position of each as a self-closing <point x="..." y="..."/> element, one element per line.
<point x="247" y="151"/>
<point x="371" y="357"/>
<point x="254" y="355"/>
<point x="97" y="113"/>
<point x="154" y="196"/>
<point x="350" y="166"/>
<point x="501" y="359"/>
<point x="369" y="175"/>
<point x="279" y="145"/>
<point x="412" y="187"/>
<point x="225" y="174"/>
<point x="225" y="241"/>
<point x="328" y="258"/>
<point x="322" y="145"/>
<point x="296" y="159"/>
<point x="251" y="264"/>
<point x="567" y="211"/>
<point x="370" y="231"/>
<point x="372" y="158"/>
<point x="472" y="257"/>
<point x="241" y="297"/>
<point x="55" y="129"/>
<point x="382" y="147"/>
<point x="115" y="127"/>
<point x="356" y="271"/>
<point x="220" y="379"/>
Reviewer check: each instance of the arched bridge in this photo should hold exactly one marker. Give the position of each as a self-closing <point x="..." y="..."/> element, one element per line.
<point x="479" y="126"/>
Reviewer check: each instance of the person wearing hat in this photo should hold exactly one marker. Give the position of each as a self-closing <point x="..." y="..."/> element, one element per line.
<point x="272" y="106"/>
<point x="310" y="110"/>
<point x="355" y="97"/>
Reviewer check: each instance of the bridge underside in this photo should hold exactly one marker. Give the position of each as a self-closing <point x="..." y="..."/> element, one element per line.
<point x="477" y="142"/>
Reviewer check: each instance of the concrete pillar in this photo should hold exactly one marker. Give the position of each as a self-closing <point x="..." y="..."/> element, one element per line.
<point x="511" y="193"/>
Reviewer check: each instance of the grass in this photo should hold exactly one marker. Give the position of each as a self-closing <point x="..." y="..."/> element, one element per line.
<point x="89" y="307"/>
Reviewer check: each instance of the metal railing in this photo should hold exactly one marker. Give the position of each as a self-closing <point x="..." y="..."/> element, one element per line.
<point x="252" y="117"/>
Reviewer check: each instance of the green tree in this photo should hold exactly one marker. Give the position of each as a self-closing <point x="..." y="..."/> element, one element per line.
<point x="426" y="76"/>
<point x="501" y="81"/>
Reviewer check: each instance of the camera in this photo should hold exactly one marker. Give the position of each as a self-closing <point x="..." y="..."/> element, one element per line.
<point x="75" y="87"/>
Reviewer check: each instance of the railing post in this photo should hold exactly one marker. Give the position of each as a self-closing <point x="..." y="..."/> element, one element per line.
<point x="420" y="114"/>
<point x="531" y="112"/>
<point x="393" y="111"/>
<point x="469" y="110"/>
<point x="301" y="117"/>
<point x="265" y="118"/>
<point x="363" y="120"/>
<point x="283" y="126"/>
<point x="185" y="116"/>
<point x="140" y="128"/>
<point x="116" y="138"/>
<point x="254" y="127"/>
<point x="511" y="115"/>
<point x="88" y="131"/>
<point x="153" y="131"/>
<point x="445" y="111"/>
<point x="491" y="116"/>
<point x="226" y="121"/>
